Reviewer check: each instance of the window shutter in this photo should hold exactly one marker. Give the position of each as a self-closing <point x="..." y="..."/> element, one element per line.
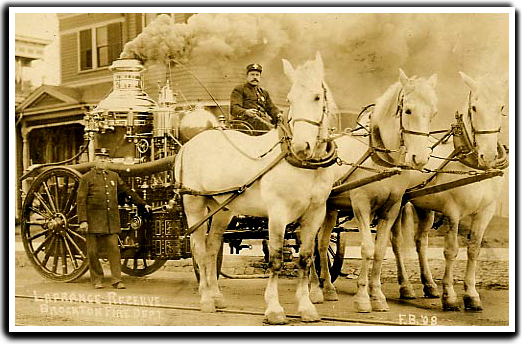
<point x="86" y="50"/>
<point x="114" y="41"/>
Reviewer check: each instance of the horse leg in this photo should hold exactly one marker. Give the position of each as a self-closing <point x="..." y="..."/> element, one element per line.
<point x="195" y="210"/>
<point x="329" y="292"/>
<point x="310" y="223"/>
<point x="377" y="297"/>
<point x="426" y="220"/>
<point x="449" y="298"/>
<point x="213" y="245"/>
<point x="274" y="313"/>
<point x="403" y="221"/>
<point x="362" y="298"/>
<point x="480" y="221"/>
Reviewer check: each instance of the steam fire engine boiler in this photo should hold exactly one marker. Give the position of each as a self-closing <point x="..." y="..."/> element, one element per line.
<point x="142" y="137"/>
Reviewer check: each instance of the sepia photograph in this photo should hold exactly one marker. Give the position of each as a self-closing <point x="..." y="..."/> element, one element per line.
<point x="279" y="169"/>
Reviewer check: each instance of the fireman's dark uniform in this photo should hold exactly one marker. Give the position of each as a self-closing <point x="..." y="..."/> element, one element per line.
<point x="246" y="96"/>
<point x="97" y="203"/>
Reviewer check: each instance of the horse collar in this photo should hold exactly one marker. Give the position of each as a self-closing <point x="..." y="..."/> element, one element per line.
<point x="468" y="148"/>
<point x="285" y="139"/>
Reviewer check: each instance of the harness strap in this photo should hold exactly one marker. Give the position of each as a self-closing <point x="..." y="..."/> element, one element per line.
<point x="347" y="175"/>
<point x="236" y="193"/>
<point x="285" y="138"/>
<point x="452" y="155"/>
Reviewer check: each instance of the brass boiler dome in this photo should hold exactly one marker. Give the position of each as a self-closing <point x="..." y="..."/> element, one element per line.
<point x="128" y="93"/>
<point x="123" y="120"/>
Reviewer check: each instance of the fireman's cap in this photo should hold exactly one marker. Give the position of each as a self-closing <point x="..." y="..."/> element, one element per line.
<point x="254" y="66"/>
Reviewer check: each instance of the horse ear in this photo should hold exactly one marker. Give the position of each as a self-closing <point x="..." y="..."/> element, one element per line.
<point x="468" y="80"/>
<point x="433" y="80"/>
<point x="402" y="77"/>
<point x="288" y="70"/>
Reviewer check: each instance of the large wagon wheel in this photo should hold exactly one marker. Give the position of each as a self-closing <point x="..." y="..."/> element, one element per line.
<point x="336" y="255"/>
<point x="50" y="228"/>
<point x="139" y="267"/>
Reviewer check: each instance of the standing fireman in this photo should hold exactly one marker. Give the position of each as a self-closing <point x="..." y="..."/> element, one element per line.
<point x="98" y="214"/>
<point x="251" y="103"/>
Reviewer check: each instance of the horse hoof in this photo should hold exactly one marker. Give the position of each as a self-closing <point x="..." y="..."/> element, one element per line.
<point x="450" y="305"/>
<point x="219" y="303"/>
<point x="274" y="318"/>
<point x="311" y="317"/>
<point x="380" y="306"/>
<point x="472" y="304"/>
<point x="431" y="292"/>
<point x="407" y="293"/>
<point x="330" y="295"/>
<point x="316" y="296"/>
<point x="208" y="306"/>
<point x="363" y="306"/>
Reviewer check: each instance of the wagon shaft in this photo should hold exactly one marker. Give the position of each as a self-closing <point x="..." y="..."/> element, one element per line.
<point x="450" y="185"/>
<point x="364" y="181"/>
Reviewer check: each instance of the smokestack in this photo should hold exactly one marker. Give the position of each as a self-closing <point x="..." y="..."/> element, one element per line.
<point x="128" y="89"/>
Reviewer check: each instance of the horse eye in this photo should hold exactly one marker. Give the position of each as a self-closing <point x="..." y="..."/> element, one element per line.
<point x="408" y="112"/>
<point x="317" y="98"/>
<point x="474" y="108"/>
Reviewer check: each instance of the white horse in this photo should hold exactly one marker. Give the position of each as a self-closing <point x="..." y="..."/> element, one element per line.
<point x="399" y="127"/>
<point x="219" y="160"/>
<point x="484" y="111"/>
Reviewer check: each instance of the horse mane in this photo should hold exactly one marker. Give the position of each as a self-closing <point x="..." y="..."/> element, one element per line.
<point x="333" y="109"/>
<point x="386" y="102"/>
<point x="307" y="74"/>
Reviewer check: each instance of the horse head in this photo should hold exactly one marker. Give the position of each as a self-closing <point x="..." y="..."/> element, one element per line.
<point x="402" y="116"/>
<point x="485" y="113"/>
<point x="309" y="108"/>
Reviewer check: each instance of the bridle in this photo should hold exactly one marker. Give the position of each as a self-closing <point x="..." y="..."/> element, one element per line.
<point x="399" y="111"/>
<point x="285" y="134"/>
<point x="474" y="130"/>
<point x="318" y="124"/>
<point x="380" y="154"/>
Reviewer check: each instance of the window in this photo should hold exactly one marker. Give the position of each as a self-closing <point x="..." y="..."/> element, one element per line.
<point x="100" y="46"/>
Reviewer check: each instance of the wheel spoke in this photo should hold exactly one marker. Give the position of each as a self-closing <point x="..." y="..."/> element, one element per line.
<point x="51" y="200"/>
<point x="145" y="263"/>
<point x="75" y="246"/>
<point x="73" y="260"/>
<point x="43" y="203"/>
<point x="69" y="230"/>
<point x="64" y="258"/>
<point x="37" y="235"/>
<point x="135" y="263"/>
<point x="35" y="210"/>
<point x="42" y="245"/>
<point x="55" y="257"/>
<point x="57" y="197"/>
<point x="48" y="253"/>
<point x="70" y="199"/>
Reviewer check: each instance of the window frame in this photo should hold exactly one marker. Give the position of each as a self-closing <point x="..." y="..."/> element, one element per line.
<point x="94" y="48"/>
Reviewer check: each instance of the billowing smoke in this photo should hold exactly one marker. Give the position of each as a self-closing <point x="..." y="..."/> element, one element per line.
<point x="362" y="52"/>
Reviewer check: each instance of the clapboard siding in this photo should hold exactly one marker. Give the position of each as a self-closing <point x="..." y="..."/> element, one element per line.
<point x="86" y="19"/>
